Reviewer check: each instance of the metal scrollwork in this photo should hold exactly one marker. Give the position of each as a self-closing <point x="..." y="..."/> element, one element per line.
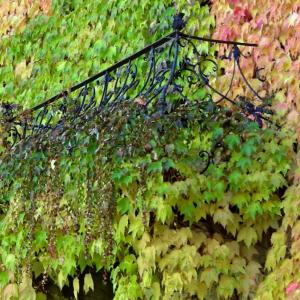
<point x="170" y="70"/>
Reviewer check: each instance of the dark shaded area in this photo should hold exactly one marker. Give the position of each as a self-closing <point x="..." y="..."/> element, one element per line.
<point x="102" y="290"/>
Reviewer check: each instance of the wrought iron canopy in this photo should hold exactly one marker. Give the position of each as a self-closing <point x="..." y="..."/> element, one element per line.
<point x="173" y="69"/>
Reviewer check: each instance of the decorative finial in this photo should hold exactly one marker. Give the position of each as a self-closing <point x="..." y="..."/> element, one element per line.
<point x="178" y="22"/>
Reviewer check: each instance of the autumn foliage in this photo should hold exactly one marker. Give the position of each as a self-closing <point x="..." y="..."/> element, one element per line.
<point x="136" y="197"/>
<point x="275" y="26"/>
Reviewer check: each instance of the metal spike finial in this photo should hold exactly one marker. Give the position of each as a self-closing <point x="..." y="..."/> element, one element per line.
<point x="178" y="22"/>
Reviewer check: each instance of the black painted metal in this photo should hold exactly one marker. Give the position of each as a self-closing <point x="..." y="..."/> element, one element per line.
<point x="171" y="69"/>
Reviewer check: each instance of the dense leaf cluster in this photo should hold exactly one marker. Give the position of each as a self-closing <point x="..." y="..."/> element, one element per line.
<point x="173" y="206"/>
<point x="77" y="39"/>
<point x="274" y="25"/>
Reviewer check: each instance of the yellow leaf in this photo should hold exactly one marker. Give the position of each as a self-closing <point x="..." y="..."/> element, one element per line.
<point x="226" y="286"/>
<point x="190" y="275"/>
<point x="293" y="19"/>
<point x="136" y="226"/>
<point x="61" y="279"/>
<point x="88" y="283"/>
<point x="10" y="291"/>
<point x="212" y="245"/>
<point x="248" y="235"/>
<point x="234" y="248"/>
<point x="76" y="287"/>
<point x="270" y="261"/>
<point x="26" y="291"/>
<point x="201" y="291"/>
<point x="147" y="279"/>
<point x="140" y="101"/>
<point x="223" y="216"/>
<point x="182" y="235"/>
<point x="156" y="291"/>
<point x="172" y="283"/>
<point x="222" y="252"/>
<point x="120" y="231"/>
<point x="142" y="243"/>
<point x="23" y="70"/>
<point x="209" y="276"/>
<point x="238" y="265"/>
<point x="198" y="238"/>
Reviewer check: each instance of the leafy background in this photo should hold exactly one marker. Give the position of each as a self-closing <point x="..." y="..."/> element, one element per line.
<point x="275" y="26"/>
<point x="176" y="233"/>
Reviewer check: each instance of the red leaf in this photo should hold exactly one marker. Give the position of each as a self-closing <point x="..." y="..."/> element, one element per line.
<point x="227" y="34"/>
<point x="291" y="288"/>
<point x="259" y="23"/>
<point x="233" y="2"/>
<point x="45" y="5"/>
<point x="242" y="14"/>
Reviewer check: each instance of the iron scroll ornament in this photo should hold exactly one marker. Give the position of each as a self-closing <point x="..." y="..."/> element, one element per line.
<point x="173" y="69"/>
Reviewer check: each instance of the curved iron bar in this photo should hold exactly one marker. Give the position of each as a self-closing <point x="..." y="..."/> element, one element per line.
<point x="249" y="108"/>
<point x="205" y="77"/>
<point x="205" y="155"/>
<point x="170" y="66"/>
<point x="236" y="56"/>
<point x="257" y="75"/>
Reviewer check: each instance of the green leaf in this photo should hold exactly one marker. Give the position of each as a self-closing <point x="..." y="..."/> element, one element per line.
<point x="41" y="296"/>
<point x="232" y="140"/>
<point x="253" y="210"/>
<point x="41" y="238"/>
<point x="235" y="179"/>
<point x="129" y="264"/>
<point x="37" y="268"/>
<point x="248" y="148"/>
<point x="219" y="188"/>
<point x="155" y="167"/>
<point x="156" y="291"/>
<point x="10" y="261"/>
<point x="187" y="209"/>
<point x="120" y="232"/>
<point x="169" y="163"/>
<point x="126" y="180"/>
<point x="244" y="163"/>
<point x="218" y="132"/>
<point x="4" y="279"/>
<point x="124" y="205"/>
<point x="61" y="66"/>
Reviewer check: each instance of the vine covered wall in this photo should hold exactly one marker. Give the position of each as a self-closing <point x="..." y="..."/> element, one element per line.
<point x="179" y="230"/>
<point x="77" y="39"/>
<point x="140" y="199"/>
